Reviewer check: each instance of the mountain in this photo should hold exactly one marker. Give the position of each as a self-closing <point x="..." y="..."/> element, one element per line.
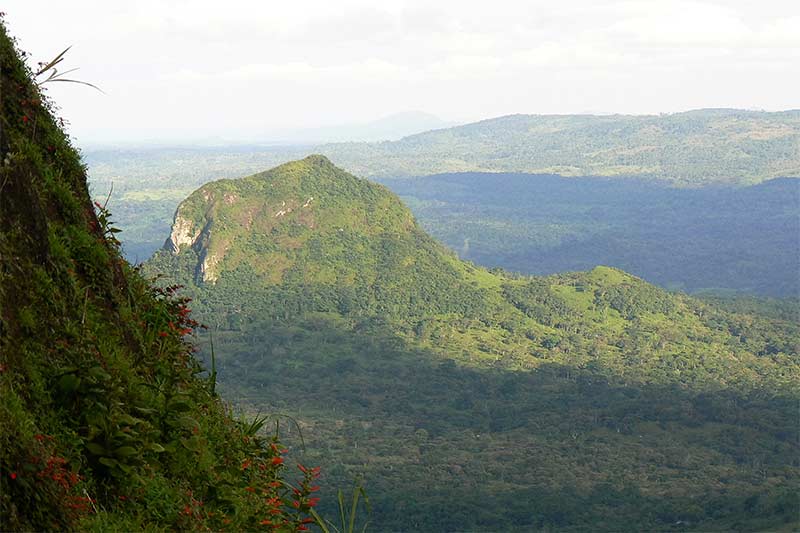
<point x="474" y="400"/>
<point x="105" y="424"/>
<point x="696" y="149"/>
<point x="726" y="239"/>
<point x="389" y="128"/>
<point x="691" y="149"/>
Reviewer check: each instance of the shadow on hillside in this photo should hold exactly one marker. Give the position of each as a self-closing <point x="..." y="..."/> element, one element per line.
<point x="450" y="448"/>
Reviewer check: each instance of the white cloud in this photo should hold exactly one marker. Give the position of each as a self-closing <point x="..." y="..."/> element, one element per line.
<point x="200" y="67"/>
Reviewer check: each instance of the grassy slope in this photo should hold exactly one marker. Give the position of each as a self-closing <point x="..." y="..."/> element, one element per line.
<point x="104" y="424"/>
<point x="579" y="400"/>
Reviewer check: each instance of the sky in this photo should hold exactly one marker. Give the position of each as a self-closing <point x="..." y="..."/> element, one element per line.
<point x="185" y="71"/>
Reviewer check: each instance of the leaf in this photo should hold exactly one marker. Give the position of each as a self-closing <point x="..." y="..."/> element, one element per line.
<point x="95" y="449"/>
<point x="156" y="447"/>
<point x="58" y="59"/>
<point x="98" y="373"/>
<point x="125" y="451"/>
<point x="129" y="420"/>
<point x="192" y="444"/>
<point x="180" y="406"/>
<point x="68" y="383"/>
<point x="109" y="462"/>
<point x="320" y="522"/>
<point x="187" y="422"/>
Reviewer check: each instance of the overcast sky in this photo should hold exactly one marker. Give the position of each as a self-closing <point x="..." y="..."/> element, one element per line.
<point x="184" y="70"/>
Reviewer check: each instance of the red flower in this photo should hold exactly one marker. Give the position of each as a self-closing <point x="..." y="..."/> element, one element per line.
<point x="313" y="501"/>
<point x="277" y="461"/>
<point x="162" y="333"/>
<point x="13" y="475"/>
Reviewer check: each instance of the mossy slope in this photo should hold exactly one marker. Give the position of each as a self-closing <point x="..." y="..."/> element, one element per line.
<point x="104" y="422"/>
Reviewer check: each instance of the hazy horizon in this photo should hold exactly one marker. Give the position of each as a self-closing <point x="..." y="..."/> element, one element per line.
<point x="178" y="71"/>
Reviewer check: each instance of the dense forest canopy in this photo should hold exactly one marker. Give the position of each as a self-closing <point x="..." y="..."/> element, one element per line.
<point x="742" y="239"/>
<point x="470" y="399"/>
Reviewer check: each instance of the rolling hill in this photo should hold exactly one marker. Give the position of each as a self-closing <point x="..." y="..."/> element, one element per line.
<point x="691" y="149"/>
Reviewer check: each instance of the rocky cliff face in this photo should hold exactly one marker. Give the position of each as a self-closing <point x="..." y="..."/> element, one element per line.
<point x="184" y="234"/>
<point x="189" y="233"/>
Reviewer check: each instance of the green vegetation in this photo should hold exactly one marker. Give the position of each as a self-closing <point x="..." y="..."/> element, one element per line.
<point x="706" y="237"/>
<point x="740" y="239"/>
<point x="476" y="400"/>
<point x="105" y="424"/>
<point x="691" y="149"/>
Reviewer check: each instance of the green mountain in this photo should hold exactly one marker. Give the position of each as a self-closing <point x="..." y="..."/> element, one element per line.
<point x="474" y="400"/>
<point x="105" y="424"/>
<point x="695" y="148"/>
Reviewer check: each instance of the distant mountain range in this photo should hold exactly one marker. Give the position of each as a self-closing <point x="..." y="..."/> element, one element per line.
<point x="695" y="148"/>
<point x="389" y="128"/>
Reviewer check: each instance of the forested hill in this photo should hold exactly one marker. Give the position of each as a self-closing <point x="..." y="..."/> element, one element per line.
<point x="475" y="400"/>
<point x="695" y="148"/>
<point x="105" y="424"/>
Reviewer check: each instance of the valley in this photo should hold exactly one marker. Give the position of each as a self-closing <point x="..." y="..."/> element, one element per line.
<point x="454" y="392"/>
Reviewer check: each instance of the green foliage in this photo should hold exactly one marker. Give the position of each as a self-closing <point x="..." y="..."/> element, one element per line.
<point x="105" y="424"/>
<point x="690" y="150"/>
<point x="347" y="517"/>
<point x="701" y="147"/>
<point x="481" y="400"/>
<point x="741" y="239"/>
